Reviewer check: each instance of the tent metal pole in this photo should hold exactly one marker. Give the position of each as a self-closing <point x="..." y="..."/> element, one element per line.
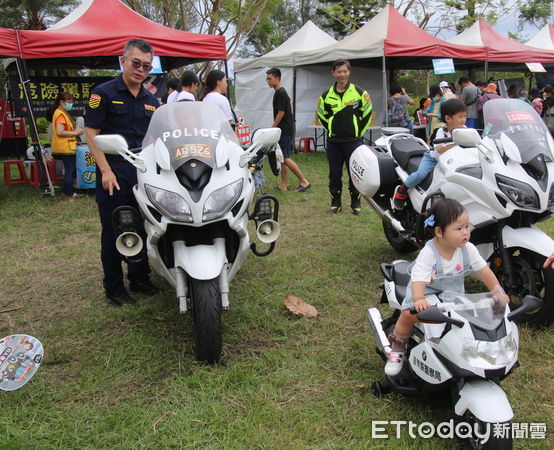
<point x="486" y="72"/>
<point x="46" y="185"/>
<point x="385" y="105"/>
<point x="294" y="105"/>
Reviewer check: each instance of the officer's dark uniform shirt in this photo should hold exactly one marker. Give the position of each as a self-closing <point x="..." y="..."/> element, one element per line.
<point x="114" y="110"/>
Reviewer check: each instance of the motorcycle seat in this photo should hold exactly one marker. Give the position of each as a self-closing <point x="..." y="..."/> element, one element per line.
<point x="405" y="148"/>
<point x="401" y="277"/>
<point x="413" y="165"/>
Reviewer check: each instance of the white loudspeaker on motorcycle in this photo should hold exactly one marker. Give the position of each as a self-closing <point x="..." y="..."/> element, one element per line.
<point x="268" y="231"/>
<point x="129" y="244"/>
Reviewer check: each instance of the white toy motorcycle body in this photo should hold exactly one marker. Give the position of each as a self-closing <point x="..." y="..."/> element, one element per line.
<point x="467" y="347"/>
<point x="194" y="190"/>
<point x="505" y="181"/>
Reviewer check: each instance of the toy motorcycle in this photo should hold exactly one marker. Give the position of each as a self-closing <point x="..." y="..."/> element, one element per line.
<point x="463" y="346"/>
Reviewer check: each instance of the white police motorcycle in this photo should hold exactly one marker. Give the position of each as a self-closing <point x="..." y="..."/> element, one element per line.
<point x="505" y="180"/>
<point x="194" y="190"/>
<point x="462" y="348"/>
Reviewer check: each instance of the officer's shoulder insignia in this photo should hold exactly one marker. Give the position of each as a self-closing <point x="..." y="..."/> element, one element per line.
<point x="149" y="107"/>
<point x="94" y="101"/>
<point x="366" y="97"/>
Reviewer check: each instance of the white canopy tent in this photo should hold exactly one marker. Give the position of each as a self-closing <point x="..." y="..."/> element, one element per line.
<point x="304" y="84"/>
<point x="543" y="39"/>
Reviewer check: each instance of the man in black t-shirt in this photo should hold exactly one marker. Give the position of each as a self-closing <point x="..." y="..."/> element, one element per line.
<point x="282" y="118"/>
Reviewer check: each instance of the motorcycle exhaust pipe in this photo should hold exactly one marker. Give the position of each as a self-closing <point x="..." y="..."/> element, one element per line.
<point x="268" y="231"/>
<point x="374" y="320"/>
<point x="385" y="215"/>
<point x="129" y="244"/>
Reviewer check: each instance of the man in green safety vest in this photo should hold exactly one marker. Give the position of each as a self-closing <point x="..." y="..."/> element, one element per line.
<point x="344" y="110"/>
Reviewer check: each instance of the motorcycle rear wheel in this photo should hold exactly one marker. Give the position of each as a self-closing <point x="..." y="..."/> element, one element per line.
<point x="396" y="241"/>
<point x="531" y="279"/>
<point x="206" y="305"/>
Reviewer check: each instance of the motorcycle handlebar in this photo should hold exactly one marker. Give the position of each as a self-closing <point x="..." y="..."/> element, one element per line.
<point x="443" y="141"/>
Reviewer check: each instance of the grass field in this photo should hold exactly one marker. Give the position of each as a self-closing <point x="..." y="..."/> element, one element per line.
<point x="126" y="377"/>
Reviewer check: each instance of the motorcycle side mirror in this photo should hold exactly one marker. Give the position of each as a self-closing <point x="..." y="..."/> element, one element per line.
<point x="266" y="137"/>
<point x="262" y="138"/>
<point x="111" y="144"/>
<point x="528" y="303"/>
<point x="434" y="315"/>
<point x="466" y="137"/>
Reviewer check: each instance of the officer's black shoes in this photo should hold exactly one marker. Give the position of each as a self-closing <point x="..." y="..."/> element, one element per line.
<point x="355" y="204"/>
<point x="144" y="287"/>
<point x="334" y="210"/>
<point x="119" y="297"/>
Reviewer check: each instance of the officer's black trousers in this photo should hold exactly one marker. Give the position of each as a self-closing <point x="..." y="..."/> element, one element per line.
<point x="338" y="154"/>
<point x="126" y="176"/>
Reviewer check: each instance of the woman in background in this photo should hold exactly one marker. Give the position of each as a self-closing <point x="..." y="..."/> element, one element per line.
<point x="216" y="85"/>
<point x="64" y="139"/>
<point x="432" y="112"/>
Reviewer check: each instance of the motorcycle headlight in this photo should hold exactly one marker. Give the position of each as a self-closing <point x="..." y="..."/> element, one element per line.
<point x="221" y="201"/>
<point x="484" y="355"/>
<point x="520" y="193"/>
<point x="169" y="203"/>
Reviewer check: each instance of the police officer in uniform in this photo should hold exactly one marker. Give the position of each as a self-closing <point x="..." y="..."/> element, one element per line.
<point x="121" y="106"/>
<point x="344" y="110"/>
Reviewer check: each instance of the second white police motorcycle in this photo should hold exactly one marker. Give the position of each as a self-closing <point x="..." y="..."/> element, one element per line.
<point x="194" y="190"/>
<point x="505" y="180"/>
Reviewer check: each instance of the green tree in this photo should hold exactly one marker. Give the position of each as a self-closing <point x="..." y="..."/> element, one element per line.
<point x="33" y="14"/>
<point x="234" y="19"/>
<point x="283" y="19"/>
<point x="537" y="12"/>
<point x="342" y="18"/>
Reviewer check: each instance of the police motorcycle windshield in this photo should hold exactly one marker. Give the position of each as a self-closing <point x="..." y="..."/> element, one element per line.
<point x="521" y="123"/>
<point x="481" y="309"/>
<point x="190" y="130"/>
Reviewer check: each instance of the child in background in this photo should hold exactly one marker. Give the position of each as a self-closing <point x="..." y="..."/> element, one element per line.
<point x="454" y="114"/>
<point x="441" y="265"/>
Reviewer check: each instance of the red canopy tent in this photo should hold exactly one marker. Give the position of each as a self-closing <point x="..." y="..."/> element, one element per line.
<point x="96" y="31"/>
<point x="92" y="36"/>
<point x="390" y="35"/>
<point x="8" y="43"/>
<point x="500" y="49"/>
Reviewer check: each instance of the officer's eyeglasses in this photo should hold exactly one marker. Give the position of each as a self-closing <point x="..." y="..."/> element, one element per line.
<point x="147" y="67"/>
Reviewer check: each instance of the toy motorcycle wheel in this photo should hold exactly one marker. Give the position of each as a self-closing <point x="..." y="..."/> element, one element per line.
<point x="379" y="389"/>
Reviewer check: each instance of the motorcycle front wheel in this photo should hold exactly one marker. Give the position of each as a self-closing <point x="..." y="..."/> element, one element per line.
<point x="396" y="241"/>
<point x="530" y="278"/>
<point x="206" y="306"/>
<point x="495" y="441"/>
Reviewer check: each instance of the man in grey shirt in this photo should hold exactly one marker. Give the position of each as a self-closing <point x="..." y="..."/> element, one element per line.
<point x="470" y="94"/>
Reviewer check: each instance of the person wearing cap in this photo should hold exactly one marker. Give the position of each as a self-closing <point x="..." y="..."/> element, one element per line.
<point x="446" y="91"/>
<point x="489" y="94"/>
